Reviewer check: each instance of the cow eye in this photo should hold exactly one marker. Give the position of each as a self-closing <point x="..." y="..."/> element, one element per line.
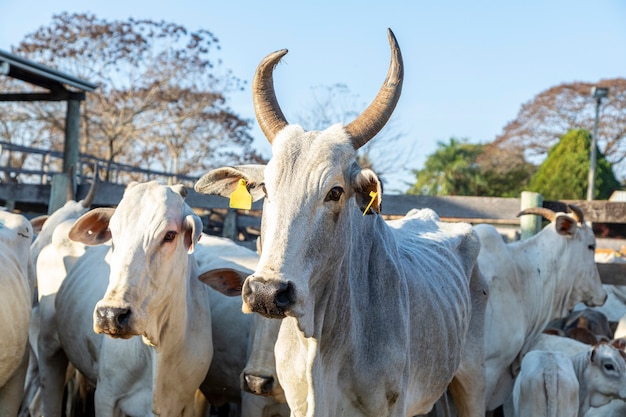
<point x="169" y="236"/>
<point x="609" y="367"/>
<point x="334" y="194"/>
<point x="591" y="247"/>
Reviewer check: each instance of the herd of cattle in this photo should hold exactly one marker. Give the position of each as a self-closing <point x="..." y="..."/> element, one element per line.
<point x="353" y="315"/>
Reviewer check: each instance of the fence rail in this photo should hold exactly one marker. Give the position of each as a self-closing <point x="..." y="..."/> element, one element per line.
<point x="42" y="164"/>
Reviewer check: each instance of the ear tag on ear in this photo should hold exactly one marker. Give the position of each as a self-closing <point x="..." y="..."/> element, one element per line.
<point x="373" y="194"/>
<point x="241" y="198"/>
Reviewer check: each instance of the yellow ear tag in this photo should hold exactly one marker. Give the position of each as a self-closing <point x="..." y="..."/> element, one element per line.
<point x="373" y="194"/>
<point x="241" y="198"/>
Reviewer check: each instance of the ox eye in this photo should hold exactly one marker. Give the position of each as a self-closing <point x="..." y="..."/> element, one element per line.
<point x="591" y="247"/>
<point x="169" y="236"/>
<point x="334" y="194"/>
<point x="609" y="367"/>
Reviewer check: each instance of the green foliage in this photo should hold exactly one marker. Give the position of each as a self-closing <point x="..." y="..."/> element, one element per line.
<point x="461" y="168"/>
<point x="564" y="173"/>
<point x="451" y="170"/>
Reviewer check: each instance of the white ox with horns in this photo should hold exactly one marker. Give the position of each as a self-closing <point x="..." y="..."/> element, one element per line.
<point x="16" y="234"/>
<point x="379" y="318"/>
<point x="153" y="291"/>
<point x="532" y="282"/>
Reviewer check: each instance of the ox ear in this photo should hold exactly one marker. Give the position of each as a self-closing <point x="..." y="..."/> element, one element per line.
<point x="565" y="225"/>
<point x="223" y="181"/>
<point x="192" y="225"/>
<point x="228" y="281"/>
<point x="92" y="228"/>
<point x="38" y="222"/>
<point x="365" y="182"/>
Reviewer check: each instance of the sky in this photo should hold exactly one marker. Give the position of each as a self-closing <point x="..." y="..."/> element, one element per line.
<point x="469" y="66"/>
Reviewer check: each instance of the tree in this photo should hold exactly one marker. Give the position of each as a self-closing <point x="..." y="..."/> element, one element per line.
<point x="552" y="113"/>
<point x="564" y="173"/>
<point x="162" y="96"/>
<point x="461" y="168"/>
<point x="450" y="170"/>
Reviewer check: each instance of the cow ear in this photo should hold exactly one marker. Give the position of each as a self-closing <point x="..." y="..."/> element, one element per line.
<point x="92" y="228"/>
<point x="223" y="181"/>
<point x="365" y="184"/>
<point x="192" y="225"/>
<point x="228" y="281"/>
<point x="38" y="222"/>
<point x="565" y="225"/>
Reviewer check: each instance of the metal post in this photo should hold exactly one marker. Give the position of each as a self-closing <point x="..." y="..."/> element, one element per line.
<point x="599" y="93"/>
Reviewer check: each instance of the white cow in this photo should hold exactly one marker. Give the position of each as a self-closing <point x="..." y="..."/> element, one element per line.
<point x="52" y="253"/>
<point x="16" y="234"/>
<point x="378" y="318"/>
<point x="554" y="384"/>
<point x="153" y="291"/>
<point x="532" y="282"/>
<point x="234" y="350"/>
<point x="546" y="386"/>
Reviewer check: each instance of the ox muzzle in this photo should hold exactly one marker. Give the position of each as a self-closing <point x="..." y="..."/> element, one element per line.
<point x="269" y="298"/>
<point x="258" y="384"/>
<point x="113" y="321"/>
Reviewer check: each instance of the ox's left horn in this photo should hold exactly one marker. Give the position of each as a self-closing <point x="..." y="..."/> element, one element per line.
<point x="539" y="211"/>
<point x="268" y="113"/>
<point x="374" y="118"/>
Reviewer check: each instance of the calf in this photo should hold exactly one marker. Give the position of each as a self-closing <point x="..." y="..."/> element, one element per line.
<point x="554" y="384"/>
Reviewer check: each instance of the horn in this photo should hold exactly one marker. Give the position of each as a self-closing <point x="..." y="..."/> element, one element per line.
<point x="540" y="211"/>
<point x="91" y="194"/>
<point x="372" y="120"/>
<point x="268" y="113"/>
<point x="579" y="216"/>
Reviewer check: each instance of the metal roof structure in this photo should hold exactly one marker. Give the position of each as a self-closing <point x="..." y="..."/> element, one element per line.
<point x="61" y="87"/>
<point x="42" y="76"/>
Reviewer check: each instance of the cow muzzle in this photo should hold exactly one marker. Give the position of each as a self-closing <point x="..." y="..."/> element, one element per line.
<point x="258" y="385"/>
<point x="113" y="321"/>
<point x="272" y="299"/>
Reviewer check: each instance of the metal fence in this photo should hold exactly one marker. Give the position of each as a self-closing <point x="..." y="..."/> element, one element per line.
<point x="40" y="165"/>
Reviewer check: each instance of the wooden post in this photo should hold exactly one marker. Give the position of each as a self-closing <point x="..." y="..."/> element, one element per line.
<point x="58" y="192"/>
<point x="229" y="229"/>
<point x="72" y="130"/>
<point x="530" y="225"/>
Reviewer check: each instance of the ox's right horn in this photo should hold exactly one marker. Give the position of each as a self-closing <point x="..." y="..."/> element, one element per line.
<point x="268" y="113"/>
<point x="540" y="211"/>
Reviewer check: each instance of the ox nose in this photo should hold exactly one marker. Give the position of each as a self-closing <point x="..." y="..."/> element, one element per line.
<point x="259" y="385"/>
<point x="269" y="298"/>
<point x="113" y="321"/>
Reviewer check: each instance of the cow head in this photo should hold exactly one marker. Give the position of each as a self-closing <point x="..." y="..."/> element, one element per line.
<point x="151" y="232"/>
<point x="605" y="374"/>
<point x="574" y="239"/>
<point x="313" y="191"/>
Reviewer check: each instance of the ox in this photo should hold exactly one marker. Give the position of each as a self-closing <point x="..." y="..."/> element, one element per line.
<point x="378" y="318"/>
<point x="152" y="291"/>
<point x="554" y="384"/>
<point x="236" y="336"/>
<point x="53" y="253"/>
<point x="532" y="282"/>
<point x="16" y="234"/>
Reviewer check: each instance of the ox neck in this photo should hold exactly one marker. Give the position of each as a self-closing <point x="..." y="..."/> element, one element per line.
<point x="581" y="362"/>
<point x="372" y="245"/>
